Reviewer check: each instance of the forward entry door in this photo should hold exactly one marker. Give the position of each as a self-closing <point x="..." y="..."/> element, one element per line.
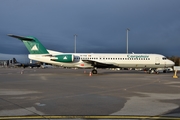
<point x="157" y="61"/>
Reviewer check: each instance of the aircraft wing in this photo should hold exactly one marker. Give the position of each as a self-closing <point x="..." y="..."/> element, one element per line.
<point x="100" y="64"/>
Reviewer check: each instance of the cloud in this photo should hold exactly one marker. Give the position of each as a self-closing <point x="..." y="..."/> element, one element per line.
<point x="101" y="25"/>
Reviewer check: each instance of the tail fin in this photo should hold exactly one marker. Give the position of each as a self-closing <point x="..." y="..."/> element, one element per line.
<point x="14" y="60"/>
<point x="32" y="44"/>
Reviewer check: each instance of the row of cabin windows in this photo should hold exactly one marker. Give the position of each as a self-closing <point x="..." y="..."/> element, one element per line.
<point x="89" y="58"/>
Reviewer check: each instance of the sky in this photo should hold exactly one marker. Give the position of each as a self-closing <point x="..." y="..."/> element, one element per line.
<point x="100" y="25"/>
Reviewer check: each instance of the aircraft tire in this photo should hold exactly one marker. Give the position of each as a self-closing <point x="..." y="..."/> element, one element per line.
<point x="94" y="71"/>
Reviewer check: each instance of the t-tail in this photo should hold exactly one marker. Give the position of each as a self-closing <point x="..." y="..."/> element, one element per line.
<point x="32" y="44"/>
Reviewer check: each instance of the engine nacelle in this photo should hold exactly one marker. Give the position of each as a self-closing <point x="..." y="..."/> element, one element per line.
<point x="63" y="58"/>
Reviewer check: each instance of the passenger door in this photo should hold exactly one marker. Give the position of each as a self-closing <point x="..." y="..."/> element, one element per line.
<point x="157" y="61"/>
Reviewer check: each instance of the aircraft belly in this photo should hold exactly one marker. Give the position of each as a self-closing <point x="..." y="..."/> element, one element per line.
<point x="140" y="65"/>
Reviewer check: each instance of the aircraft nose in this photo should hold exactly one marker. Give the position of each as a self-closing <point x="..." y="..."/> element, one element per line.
<point x="171" y="63"/>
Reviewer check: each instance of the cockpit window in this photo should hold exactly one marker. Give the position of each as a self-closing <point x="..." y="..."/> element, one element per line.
<point x="164" y="58"/>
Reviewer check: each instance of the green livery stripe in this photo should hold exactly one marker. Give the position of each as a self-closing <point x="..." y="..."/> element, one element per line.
<point x="34" y="46"/>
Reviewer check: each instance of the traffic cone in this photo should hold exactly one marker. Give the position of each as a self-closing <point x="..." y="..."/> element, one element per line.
<point x="90" y="74"/>
<point x="22" y="71"/>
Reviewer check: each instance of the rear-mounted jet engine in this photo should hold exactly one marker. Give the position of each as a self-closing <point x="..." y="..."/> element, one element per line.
<point x="63" y="58"/>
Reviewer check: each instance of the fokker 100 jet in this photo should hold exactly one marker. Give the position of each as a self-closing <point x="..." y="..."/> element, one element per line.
<point x="92" y="60"/>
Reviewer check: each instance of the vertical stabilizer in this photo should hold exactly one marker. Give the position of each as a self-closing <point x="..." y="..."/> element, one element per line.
<point x="32" y="44"/>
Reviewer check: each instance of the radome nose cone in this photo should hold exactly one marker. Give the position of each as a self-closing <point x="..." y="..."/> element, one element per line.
<point x="171" y="63"/>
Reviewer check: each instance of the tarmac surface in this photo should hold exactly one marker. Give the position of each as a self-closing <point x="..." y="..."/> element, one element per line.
<point x="57" y="91"/>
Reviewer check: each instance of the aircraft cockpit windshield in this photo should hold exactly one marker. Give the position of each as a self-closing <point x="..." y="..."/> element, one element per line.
<point x="164" y="58"/>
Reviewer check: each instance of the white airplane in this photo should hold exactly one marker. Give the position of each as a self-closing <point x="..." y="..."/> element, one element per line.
<point x="92" y="60"/>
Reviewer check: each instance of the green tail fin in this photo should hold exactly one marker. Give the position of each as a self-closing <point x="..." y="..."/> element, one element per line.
<point x="32" y="44"/>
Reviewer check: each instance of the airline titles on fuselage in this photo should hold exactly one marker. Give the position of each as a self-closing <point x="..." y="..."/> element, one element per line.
<point x="129" y="57"/>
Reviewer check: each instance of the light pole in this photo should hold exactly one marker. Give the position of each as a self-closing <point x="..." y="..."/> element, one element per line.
<point x="75" y="43"/>
<point x="127" y="40"/>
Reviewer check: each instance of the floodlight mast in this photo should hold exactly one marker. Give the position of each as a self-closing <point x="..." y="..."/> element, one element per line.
<point x="127" y="40"/>
<point x="75" y="43"/>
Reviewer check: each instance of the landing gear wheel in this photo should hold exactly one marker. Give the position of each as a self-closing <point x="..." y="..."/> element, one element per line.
<point x="153" y="71"/>
<point x="94" y="71"/>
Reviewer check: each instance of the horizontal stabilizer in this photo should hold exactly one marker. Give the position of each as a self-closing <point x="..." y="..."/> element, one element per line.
<point x="21" y="37"/>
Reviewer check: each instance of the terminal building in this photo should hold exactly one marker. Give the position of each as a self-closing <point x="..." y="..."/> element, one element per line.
<point x="6" y="63"/>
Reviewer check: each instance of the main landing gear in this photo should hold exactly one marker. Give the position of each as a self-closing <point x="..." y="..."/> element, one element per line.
<point x="94" y="71"/>
<point x="151" y="71"/>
